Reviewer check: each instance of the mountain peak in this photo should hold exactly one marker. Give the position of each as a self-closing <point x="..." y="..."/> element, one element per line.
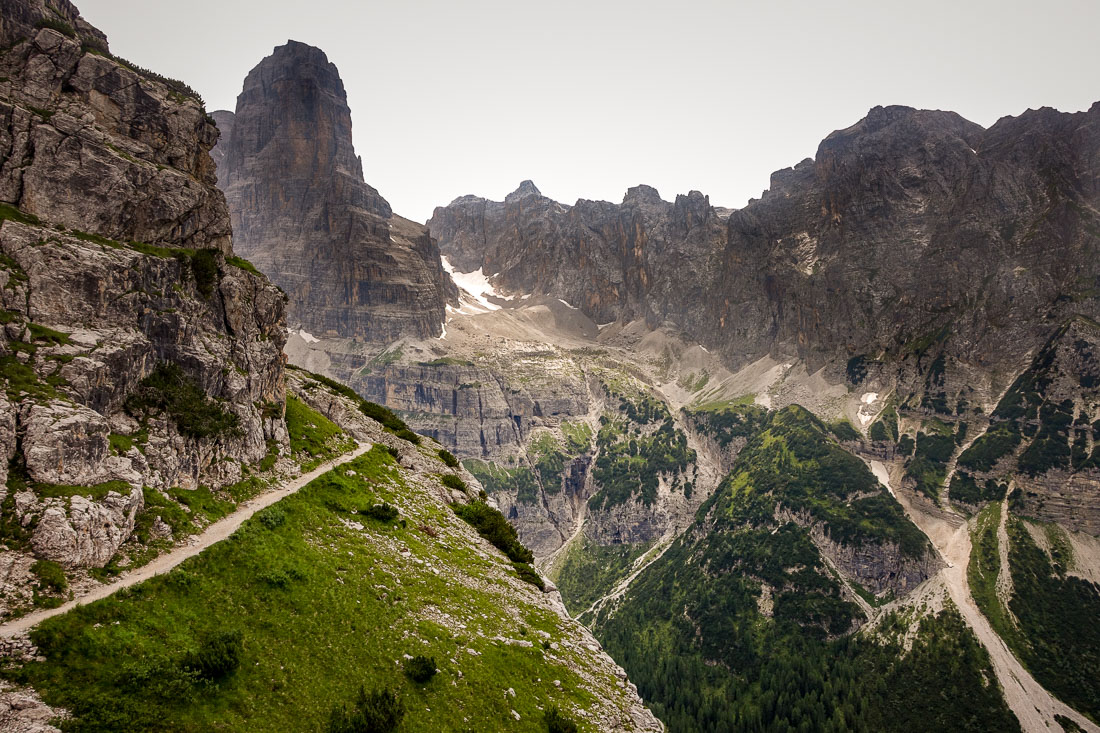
<point x="642" y="194"/>
<point x="527" y="188"/>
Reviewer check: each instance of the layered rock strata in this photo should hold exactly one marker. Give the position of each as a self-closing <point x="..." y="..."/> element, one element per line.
<point x="304" y="215"/>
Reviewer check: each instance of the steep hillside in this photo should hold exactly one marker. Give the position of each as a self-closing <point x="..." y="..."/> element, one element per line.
<point x="303" y="213"/>
<point x="746" y="621"/>
<point x="338" y="588"/>
<point x="146" y="411"/>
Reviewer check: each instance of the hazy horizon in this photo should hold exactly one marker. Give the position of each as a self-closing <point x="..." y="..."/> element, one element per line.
<point x="588" y="100"/>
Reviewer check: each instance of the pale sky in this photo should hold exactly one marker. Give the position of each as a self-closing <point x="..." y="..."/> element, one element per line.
<point x="590" y="98"/>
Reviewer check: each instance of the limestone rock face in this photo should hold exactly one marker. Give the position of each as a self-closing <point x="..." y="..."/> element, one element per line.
<point x="95" y="146"/>
<point x="115" y="258"/>
<point x="66" y="444"/>
<point x="225" y="121"/>
<point x="837" y="257"/>
<point x="87" y="533"/>
<point x="304" y="215"/>
<point x="7" y="441"/>
<point x="878" y="567"/>
<point x="628" y="261"/>
<point x="1050" y="418"/>
<point x="469" y="409"/>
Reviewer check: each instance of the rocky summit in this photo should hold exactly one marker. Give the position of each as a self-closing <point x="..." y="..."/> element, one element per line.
<point x="304" y="215"/>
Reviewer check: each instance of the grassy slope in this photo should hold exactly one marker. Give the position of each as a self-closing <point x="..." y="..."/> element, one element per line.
<point x="323" y="609"/>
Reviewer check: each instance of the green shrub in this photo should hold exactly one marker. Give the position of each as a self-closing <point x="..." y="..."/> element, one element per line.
<point x="454" y="482"/>
<point x="195" y="414"/>
<point x="217" y="657"/>
<point x="843" y="430"/>
<point x="58" y="25"/>
<point x="394" y="452"/>
<point x="556" y="722"/>
<point x="378" y="712"/>
<point x="382" y="512"/>
<point x="51" y="576"/>
<point x="420" y="668"/>
<point x="878" y="432"/>
<point x="121" y="444"/>
<point x="48" y="335"/>
<point x="406" y="434"/>
<point x="271" y="517"/>
<point x="492" y="525"/>
<point x="629" y="466"/>
<point x="243" y="264"/>
<point x="204" y="266"/>
<point x="997" y="442"/>
<point x="529" y="575"/>
<point x="311" y="433"/>
<point x="448" y="458"/>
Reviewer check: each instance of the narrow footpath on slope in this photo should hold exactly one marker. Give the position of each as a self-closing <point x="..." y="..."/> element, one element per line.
<point x="213" y="534"/>
<point x="1032" y="704"/>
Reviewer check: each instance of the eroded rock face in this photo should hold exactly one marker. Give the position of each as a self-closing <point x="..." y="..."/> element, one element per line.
<point x="85" y="533"/>
<point x="473" y="411"/>
<point x="613" y="261"/>
<point x="304" y="215"/>
<point x="109" y="194"/>
<point x="87" y="139"/>
<point x="879" y="567"/>
<point x="66" y="444"/>
<point x="7" y="441"/>
<point x="836" y="259"/>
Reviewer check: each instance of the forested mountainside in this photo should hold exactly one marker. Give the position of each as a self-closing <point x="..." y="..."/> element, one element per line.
<point x="147" y="414"/>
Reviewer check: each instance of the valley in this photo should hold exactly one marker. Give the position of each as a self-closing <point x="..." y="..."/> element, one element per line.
<point x="275" y="457"/>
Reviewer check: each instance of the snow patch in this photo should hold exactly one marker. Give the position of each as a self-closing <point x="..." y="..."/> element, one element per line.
<point x="867" y="412"/>
<point x="305" y="335"/>
<point x="477" y="288"/>
<point x="573" y="307"/>
<point x="883" y="476"/>
<point x="444" y="334"/>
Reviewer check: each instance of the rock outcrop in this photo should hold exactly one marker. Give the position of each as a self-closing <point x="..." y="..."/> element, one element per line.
<point x="116" y="266"/>
<point x="304" y="215"/>
<point x="80" y="532"/>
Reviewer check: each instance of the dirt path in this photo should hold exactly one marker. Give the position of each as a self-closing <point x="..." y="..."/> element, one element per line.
<point x="950" y="534"/>
<point x="651" y="556"/>
<point x="213" y="534"/>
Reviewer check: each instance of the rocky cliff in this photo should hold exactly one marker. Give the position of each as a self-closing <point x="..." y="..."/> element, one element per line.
<point x="1042" y="445"/>
<point x="136" y="350"/>
<point x="304" y="215"/>
<point x="634" y="260"/>
<point x="834" y="261"/>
